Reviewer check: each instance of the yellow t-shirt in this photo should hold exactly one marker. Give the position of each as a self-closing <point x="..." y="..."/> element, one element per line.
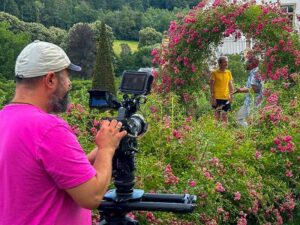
<point x="221" y="85"/>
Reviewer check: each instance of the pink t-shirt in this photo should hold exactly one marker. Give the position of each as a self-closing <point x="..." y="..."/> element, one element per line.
<point x="39" y="158"/>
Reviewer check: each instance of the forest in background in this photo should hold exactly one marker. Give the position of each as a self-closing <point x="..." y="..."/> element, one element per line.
<point x="125" y="17"/>
<point x="69" y="23"/>
<point x="79" y="42"/>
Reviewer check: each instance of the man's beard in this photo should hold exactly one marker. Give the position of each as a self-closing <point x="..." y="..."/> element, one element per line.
<point x="59" y="105"/>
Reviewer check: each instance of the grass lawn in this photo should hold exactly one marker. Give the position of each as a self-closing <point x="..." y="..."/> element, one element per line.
<point x="117" y="48"/>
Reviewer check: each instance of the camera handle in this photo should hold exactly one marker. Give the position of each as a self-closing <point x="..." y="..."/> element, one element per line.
<point x="121" y="114"/>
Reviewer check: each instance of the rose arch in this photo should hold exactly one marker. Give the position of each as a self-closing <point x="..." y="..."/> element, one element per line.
<point x="193" y="38"/>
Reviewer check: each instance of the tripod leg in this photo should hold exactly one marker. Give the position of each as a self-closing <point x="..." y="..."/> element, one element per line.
<point x="118" y="220"/>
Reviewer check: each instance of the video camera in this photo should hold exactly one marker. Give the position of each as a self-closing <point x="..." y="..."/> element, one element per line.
<point x="138" y="85"/>
<point x="124" y="199"/>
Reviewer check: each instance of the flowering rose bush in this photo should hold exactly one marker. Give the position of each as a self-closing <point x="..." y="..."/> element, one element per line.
<point x="270" y="145"/>
<point x="240" y="176"/>
<point x="193" y="38"/>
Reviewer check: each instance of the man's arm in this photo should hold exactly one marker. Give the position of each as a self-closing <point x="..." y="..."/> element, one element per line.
<point x="231" y="89"/>
<point x="92" y="155"/>
<point x="255" y="88"/>
<point x="212" y="94"/>
<point x="90" y="193"/>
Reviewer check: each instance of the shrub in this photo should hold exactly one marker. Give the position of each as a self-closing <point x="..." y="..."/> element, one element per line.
<point x="237" y="174"/>
<point x="149" y="36"/>
<point x="194" y="37"/>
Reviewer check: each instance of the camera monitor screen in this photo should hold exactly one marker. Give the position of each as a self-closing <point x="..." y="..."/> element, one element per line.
<point x="98" y="99"/>
<point x="98" y="102"/>
<point x="135" y="82"/>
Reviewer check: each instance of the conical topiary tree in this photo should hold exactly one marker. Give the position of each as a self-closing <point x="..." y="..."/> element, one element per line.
<point x="103" y="76"/>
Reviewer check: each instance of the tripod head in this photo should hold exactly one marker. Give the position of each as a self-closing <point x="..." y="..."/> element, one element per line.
<point x="124" y="198"/>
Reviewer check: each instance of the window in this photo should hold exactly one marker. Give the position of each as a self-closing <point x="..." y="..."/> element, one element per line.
<point x="289" y="9"/>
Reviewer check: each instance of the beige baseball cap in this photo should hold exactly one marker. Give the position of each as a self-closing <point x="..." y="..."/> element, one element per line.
<point x="39" y="57"/>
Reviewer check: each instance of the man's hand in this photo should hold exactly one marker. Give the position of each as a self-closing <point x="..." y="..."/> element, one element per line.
<point x="230" y="98"/>
<point x="242" y="90"/>
<point x="109" y="135"/>
<point x="213" y="101"/>
<point x="90" y="193"/>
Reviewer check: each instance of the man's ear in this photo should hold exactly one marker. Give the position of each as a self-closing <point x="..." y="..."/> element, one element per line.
<point x="50" y="80"/>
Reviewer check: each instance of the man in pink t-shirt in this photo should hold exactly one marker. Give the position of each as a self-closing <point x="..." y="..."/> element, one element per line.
<point x="45" y="176"/>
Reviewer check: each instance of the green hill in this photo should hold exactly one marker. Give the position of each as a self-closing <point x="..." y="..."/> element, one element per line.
<point x="117" y="45"/>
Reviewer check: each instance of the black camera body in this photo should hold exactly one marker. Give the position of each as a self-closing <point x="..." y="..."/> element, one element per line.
<point x="124" y="198"/>
<point x="133" y="82"/>
<point x="136" y="84"/>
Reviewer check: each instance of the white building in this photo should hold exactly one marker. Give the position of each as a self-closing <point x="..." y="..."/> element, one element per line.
<point x="231" y="46"/>
<point x="292" y="8"/>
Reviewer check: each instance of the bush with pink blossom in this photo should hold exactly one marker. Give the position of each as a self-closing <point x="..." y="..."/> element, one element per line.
<point x="240" y="176"/>
<point x="194" y="37"/>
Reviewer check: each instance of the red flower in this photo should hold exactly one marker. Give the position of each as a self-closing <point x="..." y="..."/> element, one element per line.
<point x="219" y="187"/>
<point x="192" y="183"/>
<point x="177" y="134"/>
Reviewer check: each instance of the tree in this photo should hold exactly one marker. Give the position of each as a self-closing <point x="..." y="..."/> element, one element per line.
<point x="10" y="46"/>
<point x="96" y="27"/>
<point x="11" y="7"/>
<point x="57" y="13"/>
<point x="64" y="13"/>
<point x="143" y="58"/>
<point x="112" y="19"/>
<point x="137" y="5"/>
<point x="81" y="48"/>
<point x="103" y="77"/>
<point x="129" y="23"/>
<point x="57" y="35"/>
<point x="149" y="36"/>
<point x="15" y="25"/>
<point x="99" y="4"/>
<point x="84" y="13"/>
<point x="38" y="8"/>
<point x="36" y="31"/>
<point x="159" y="19"/>
<point x="126" y="59"/>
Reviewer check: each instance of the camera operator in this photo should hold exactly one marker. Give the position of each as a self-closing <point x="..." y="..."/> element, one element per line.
<point x="45" y="176"/>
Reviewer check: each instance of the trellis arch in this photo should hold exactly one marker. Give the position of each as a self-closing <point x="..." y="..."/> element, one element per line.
<point x="194" y="36"/>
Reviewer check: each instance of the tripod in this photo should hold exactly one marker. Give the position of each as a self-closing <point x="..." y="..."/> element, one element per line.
<point x="124" y="199"/>
<point x="114" y="213"/>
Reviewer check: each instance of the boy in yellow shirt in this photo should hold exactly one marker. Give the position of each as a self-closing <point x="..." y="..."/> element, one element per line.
<point x="221" y="88"/>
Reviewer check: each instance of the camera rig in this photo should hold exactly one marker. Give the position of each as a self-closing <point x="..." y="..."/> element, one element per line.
<point x="118" y="202"/>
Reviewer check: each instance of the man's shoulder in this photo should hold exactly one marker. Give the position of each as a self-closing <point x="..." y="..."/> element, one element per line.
<point x="228" y="72"/>
<point x="218" y="71"/>
<point x="56" y="119"/>
<point x="254" y="71"/>
<point x="40" y="120"/>
<point x="42" y="116"/>
<point x="214" y="71"/>
<point x="255" y="74"/>
<point x="52" y="125"/>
